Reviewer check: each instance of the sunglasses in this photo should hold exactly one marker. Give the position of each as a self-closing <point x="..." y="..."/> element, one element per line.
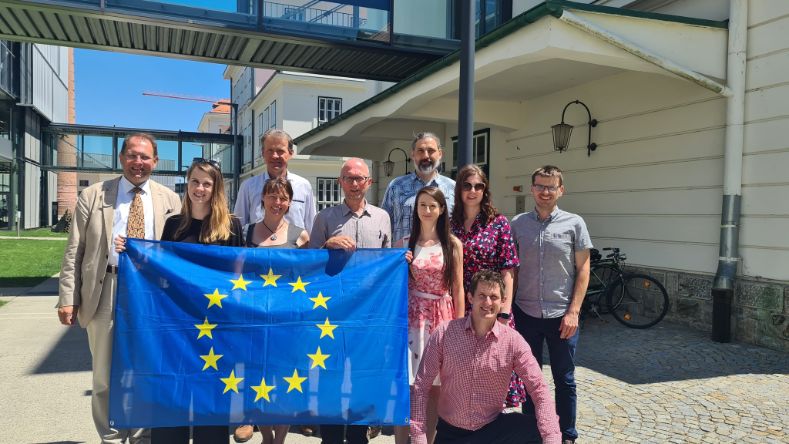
<point x="476" y="186"/>
<point x="212" y="162"/>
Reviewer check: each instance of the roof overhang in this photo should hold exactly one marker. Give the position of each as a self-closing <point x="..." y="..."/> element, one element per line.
<point x="536" y="56"/>
<point x="149" y="27"/>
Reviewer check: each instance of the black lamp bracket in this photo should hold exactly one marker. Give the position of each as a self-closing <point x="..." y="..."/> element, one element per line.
<point x="590" y="146"/>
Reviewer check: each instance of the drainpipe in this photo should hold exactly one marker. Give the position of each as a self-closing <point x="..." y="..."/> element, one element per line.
<point x="723" y="285"/>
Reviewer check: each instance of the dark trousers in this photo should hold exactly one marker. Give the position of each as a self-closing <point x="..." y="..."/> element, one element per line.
<point x="561" y="352"/>
<point x="510" y="428"/>
<point x="180" y="435"/>
<point x="334" y="434"/>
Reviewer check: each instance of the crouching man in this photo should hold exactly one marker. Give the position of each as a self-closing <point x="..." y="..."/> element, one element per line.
<point x="474" y="358"/>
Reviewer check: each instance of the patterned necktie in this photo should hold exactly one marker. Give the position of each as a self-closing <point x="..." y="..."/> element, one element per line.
<point x="136" y="225"/>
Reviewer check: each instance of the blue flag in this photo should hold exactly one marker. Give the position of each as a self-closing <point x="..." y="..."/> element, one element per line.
<point x="210" y="335"/>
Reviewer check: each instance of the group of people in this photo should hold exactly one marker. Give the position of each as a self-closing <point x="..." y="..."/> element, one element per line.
<point x="484" y="294"/>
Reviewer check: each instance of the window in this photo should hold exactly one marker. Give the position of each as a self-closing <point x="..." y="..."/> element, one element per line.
<point x="84" y="183"/>
<point x="490" y="14"/>
<point x="329" y="193"/>
<point x="268" y="118"/>
<point x="328" y="108"/>
<point x="480" y="150"/>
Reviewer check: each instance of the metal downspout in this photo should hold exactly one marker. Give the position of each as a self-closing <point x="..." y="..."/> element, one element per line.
<point x="723" y="285"/>
<point x="645" y="54"/>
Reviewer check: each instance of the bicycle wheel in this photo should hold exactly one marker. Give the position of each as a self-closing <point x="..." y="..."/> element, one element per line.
<point x="644" y="301"/>
<point x="601" y="281"/>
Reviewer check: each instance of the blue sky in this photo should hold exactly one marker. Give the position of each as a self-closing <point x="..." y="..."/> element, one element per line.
<point x="109" y="89"/>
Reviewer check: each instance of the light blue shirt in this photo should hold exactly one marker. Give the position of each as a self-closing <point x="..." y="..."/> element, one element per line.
<point x="546" y="249"/>
<point x="302" y="209"/>
<point x="120" y="218"/>
<point x="400" y="195"/>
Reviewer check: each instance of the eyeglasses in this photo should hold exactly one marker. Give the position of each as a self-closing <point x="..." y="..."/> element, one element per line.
<point x="473" y="186"/>
<point x="211" y="162"/>
<point x="355" y="179"/>
<point x="548" y="188"/>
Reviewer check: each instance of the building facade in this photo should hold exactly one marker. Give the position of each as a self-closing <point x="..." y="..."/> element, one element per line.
<point x="690" y="107"/>
<point x="33" y="92"/>
<point x="296" y="103"/>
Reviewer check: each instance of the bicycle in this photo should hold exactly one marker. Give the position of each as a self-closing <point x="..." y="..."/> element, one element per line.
<point x="635" y="300"/>
<point x="643" y="301"/>
<point x="603" y="274"/>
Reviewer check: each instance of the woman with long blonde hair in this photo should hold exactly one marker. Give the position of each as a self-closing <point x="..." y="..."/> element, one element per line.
<point x="205" y="217"/>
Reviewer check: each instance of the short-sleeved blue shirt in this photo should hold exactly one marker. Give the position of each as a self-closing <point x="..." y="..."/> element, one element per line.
<point x="547" y="254"/>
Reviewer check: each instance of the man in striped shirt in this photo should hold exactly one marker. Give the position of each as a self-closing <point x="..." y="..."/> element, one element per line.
<point x="474" y="357"/>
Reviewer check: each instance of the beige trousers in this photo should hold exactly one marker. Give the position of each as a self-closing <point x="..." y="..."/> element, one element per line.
<point x="100" y="334"/>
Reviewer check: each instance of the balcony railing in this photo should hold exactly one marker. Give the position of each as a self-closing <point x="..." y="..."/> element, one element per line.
<point x="333" y="16"/>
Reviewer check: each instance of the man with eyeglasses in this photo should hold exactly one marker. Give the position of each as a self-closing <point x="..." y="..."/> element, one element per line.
<point x="354" y="223"/>
<point x="399" y="198"/>
<point x="277" y="147"/>
<point x="348" y="226"/>
<point x="131" y="205"/>
<point x="553" y="247"/>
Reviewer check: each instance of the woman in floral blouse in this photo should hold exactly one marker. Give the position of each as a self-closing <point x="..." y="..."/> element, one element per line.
<point x="487" y="244"/>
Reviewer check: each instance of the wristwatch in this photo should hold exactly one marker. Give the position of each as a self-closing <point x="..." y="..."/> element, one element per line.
<point x="506" y="316"/>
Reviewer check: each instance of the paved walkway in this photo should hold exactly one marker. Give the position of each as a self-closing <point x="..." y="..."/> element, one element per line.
<point x="665" y="384"/>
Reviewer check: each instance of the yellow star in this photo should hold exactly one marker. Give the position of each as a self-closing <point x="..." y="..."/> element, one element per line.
<point x="240" y="283"/>
<point x="295" y="381"/>
<point x="231" y="382"/>
<point x="210" y="359"/>
<point x="320" y="301"/>
<point x="270" y="278"/>
<point x="298" y="285"/>
<point x="205" y="329"/>
<point x="215" y="298"/>
<point x="262" y="390"/>
<point x="318" y="359"/>
<point x="327" y="329"/>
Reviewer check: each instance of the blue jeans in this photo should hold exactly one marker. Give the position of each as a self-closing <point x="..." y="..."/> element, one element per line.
<point x="561" y="352"/>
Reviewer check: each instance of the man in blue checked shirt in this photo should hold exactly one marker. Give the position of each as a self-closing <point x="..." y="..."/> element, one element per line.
<point x="426" y="153"/>
<point x="553" y="246"/>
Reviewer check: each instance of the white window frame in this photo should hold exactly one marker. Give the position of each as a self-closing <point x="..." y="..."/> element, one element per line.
<point x="328" y="192"/>
<point x="328" y="108"/>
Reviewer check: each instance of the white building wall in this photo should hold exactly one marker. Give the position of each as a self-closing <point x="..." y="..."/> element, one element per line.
<point x="764" y="244"/>
<point x="652" y="188"/>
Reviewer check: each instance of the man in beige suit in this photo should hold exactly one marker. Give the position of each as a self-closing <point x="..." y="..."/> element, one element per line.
<point x="90" y="264"/>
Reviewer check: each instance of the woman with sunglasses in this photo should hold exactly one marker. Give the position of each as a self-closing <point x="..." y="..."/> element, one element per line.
<point x="487" y="245"/>
<point x="435" y="286"/>
<point x="204" y="219"/>
<point x="273" y="231"/>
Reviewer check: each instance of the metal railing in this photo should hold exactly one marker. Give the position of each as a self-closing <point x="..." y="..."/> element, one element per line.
<point x="332" y="17"/>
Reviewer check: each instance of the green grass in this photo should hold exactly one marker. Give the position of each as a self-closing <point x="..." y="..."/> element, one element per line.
<point x="35" y="232"/>
<point x="26" y="262"/>
<point x="3" y="303"/>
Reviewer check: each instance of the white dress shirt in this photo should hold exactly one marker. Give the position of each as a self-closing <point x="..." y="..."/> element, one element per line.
<point x="121" y="216"/>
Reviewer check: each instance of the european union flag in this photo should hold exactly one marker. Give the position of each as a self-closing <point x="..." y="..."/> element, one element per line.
<point x="217" y="335"/>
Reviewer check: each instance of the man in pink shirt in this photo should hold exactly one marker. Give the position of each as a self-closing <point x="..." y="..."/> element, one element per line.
<point x="474" y="358"/>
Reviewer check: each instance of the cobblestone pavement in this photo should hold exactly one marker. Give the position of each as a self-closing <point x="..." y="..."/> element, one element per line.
<point x="672" y="384"/>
